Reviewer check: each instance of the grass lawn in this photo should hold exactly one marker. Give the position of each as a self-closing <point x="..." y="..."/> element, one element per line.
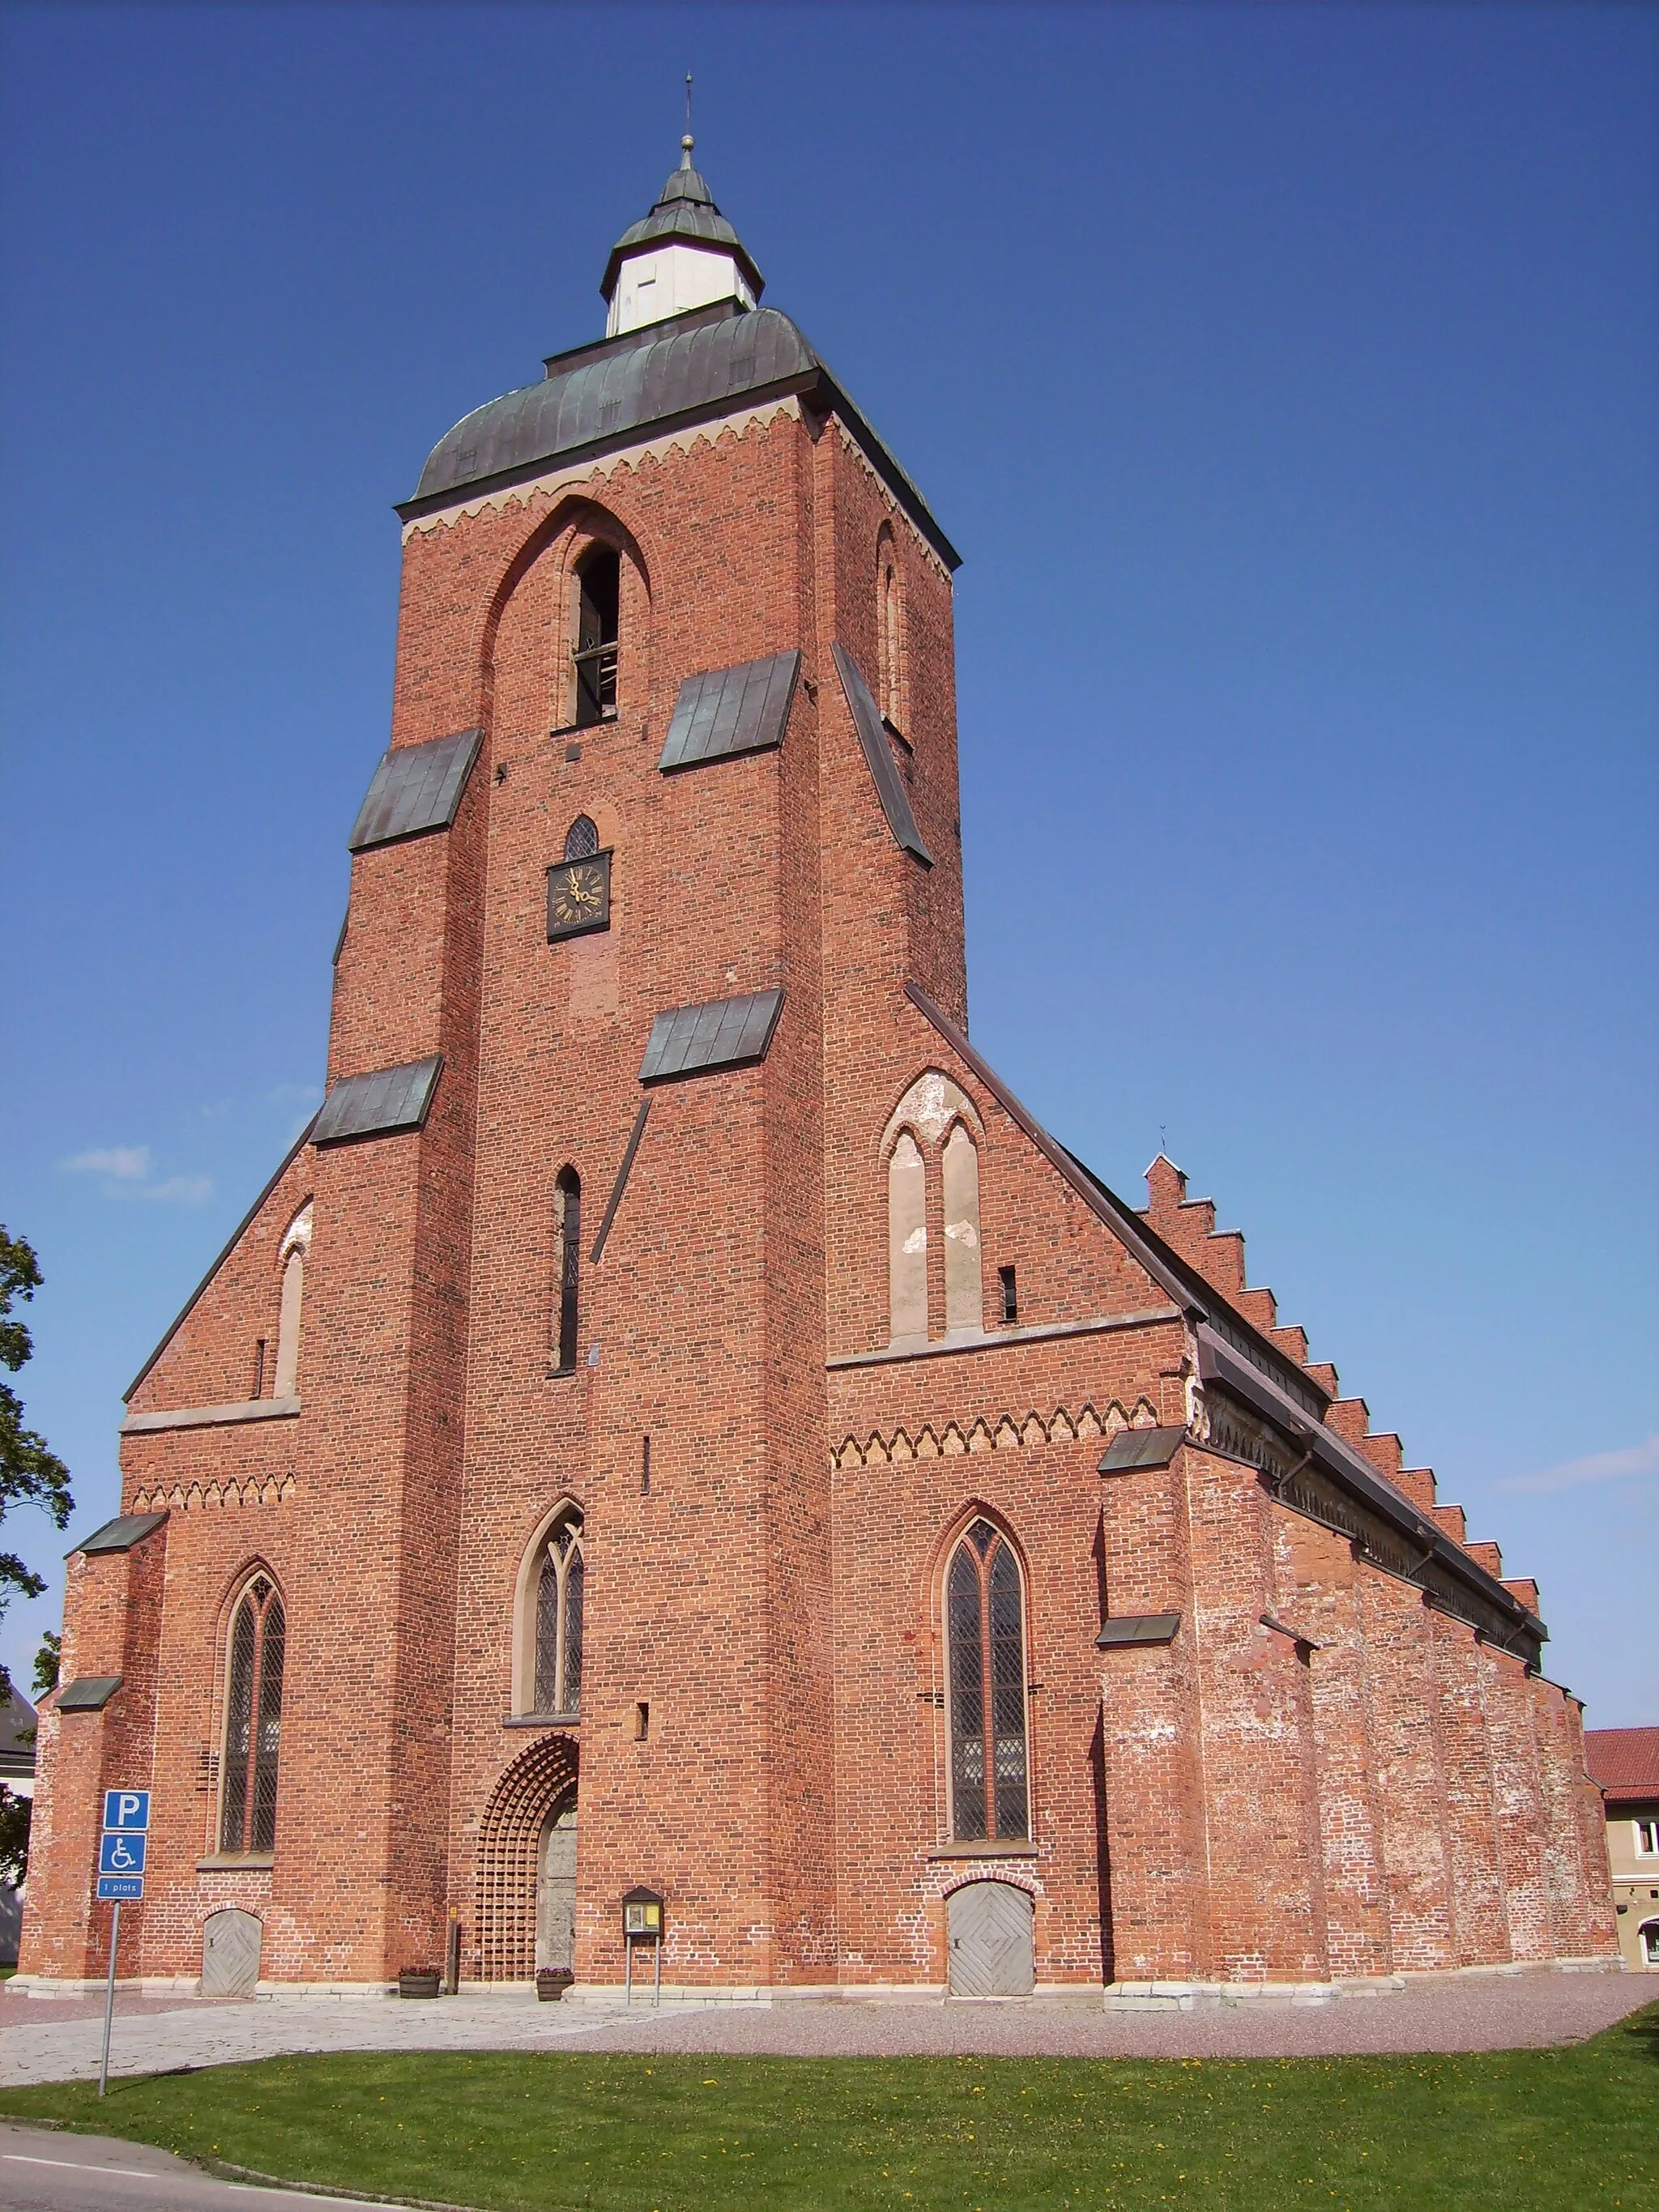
<point x="1553" y="2130"/>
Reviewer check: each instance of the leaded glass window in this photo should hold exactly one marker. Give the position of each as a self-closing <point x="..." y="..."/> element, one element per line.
<point x="559" y="1620"/>
<point x="253" y="1721"/>
<point x="985" y="1641"/>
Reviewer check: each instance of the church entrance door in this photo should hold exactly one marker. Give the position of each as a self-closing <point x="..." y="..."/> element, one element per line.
<point x="556" y="1891"/>
<point x="989" y="1927"/>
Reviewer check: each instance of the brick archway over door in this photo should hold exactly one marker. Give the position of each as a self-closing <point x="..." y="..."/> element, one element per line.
<point x="519" y="1804"/>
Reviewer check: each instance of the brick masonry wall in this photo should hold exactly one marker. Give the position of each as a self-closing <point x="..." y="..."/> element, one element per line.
<point x="1369" y="1791"/>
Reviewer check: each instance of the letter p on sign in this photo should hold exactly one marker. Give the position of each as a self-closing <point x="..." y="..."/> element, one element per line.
<point x="126" y="1809"/>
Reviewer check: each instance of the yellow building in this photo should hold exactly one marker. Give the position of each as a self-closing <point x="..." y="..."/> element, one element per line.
<point x="1624" y="1764"/>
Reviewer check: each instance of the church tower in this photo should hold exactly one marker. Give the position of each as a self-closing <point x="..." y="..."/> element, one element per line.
<point x="676" y="1421"/>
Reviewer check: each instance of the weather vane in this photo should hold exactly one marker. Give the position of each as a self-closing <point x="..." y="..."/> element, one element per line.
<point x="688" y="107"/>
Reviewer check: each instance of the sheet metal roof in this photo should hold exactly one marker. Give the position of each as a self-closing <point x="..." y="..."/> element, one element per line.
<point x="17" y="1718"/>
<point x="88" y="1693"/>
<point x="1140" y="1447"/>
<point x="731" y="710"/>
<point x="414" y="788"/>
<point x="685" y="210"/>
<point x="668" y="375"/>
<point x="379" y="1104"/>
<point x="878" y="757"/>
<point x="119" y="1534"/>
<point x="724" y="1033"/>
<point x="1137" y="1628"/>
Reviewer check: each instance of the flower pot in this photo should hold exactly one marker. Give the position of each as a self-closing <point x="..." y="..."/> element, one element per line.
<point x="418" y="1982"/>
<point x="552" y="1982"/>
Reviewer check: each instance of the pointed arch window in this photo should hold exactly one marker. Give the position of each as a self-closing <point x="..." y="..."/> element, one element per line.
<point x="567" y="1217"/>
<point x="581" y="839"/>
<point x="959" y="1174"/>
<point x="296" y="1244"/>
<point x="907" y="1240"/>
<point x="253" y="1722"/>
<point x="599" y="582"/>
<point x="558" y="1688"/>
<point x="985" y="1642"/>
<point x="930" y="1145"/>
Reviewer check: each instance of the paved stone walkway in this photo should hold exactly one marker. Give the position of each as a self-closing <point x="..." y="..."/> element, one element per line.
<point x="44" y="2039"/>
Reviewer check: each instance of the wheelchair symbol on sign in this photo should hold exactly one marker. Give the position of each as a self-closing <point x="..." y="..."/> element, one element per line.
<point x="122" y="1854"/>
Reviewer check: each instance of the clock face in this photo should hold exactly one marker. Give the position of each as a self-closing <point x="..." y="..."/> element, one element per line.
<point x="578" y="896"/>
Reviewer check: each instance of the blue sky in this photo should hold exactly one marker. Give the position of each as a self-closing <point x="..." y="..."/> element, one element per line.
<point x="1288" y="377"/>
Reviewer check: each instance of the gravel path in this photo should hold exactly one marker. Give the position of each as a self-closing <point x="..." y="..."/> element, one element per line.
<point x="50" y="2040"/>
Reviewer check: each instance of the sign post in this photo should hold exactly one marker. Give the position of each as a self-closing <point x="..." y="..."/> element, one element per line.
<point x="120" y="1875"/>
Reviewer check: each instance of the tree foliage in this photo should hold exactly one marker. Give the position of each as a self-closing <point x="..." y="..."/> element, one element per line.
<point x="15" y="1814"/>
<point x="30" y="1473"/>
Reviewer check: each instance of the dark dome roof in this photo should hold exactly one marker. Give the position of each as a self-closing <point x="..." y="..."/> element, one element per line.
<point x="662" y="376"/>
<point x="686" y="208"/>
<point x="612" y="390"/>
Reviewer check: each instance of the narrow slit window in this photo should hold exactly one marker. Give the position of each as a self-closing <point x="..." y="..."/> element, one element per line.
<point x="889" y="634"/>
<point x="1010" y="1287"/>
<point x="568" y="1205"/>
<point x="253" y="1722"/>
<point x="985" y="1637"/>
<point x="599" y="592"/>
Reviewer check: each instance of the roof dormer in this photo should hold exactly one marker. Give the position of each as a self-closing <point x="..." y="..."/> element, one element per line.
<point x="683" y="254"/>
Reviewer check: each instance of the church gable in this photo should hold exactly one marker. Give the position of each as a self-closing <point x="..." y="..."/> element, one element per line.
<point x="235" y="1349"/>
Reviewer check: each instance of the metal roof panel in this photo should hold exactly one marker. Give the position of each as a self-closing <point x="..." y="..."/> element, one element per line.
<point x="724" y="1033"/>
<point x="878" y="757"/>
<point x="119" y="1534"/>
<point x="378" y="1104"/>
<point x="1132" y="1447"/>
<point x="727" y="711"/>
<point x="88" y="1693"/>
<point x="416" y="788"/>
<point x="1137" y="1628"/>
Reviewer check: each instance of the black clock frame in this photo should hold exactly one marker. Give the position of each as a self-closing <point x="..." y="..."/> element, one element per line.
<point x="556" y="932"/>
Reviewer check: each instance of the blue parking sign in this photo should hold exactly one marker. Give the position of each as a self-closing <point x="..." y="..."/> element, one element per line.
<point x="126" y="1809"/>
<point x="120" y="1888"/>
<point x="122" y="1854"/>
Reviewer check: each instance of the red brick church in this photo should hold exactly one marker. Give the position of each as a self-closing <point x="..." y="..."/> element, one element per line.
<point x="676" y="1420"/>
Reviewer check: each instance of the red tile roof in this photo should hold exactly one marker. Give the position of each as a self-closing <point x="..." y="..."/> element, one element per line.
<point x="1624" y="1761"/>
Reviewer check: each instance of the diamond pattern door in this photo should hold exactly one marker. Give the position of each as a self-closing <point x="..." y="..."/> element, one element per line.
<point x="989" y="1927"/>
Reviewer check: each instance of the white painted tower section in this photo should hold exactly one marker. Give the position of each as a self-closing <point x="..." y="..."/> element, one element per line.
<point x="670" y="278"/>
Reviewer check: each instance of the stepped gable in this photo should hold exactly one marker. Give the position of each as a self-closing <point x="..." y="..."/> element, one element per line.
<point x="1187" y="1224"/>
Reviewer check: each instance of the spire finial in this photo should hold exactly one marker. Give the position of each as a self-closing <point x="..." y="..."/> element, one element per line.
<point x="687" y="143"/>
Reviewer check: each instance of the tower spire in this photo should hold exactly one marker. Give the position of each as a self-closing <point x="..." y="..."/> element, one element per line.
<point x="683" y="254"/>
